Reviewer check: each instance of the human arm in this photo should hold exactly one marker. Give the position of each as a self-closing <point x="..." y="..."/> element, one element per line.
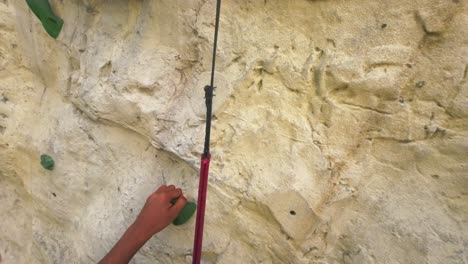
<point x="157" y="213"/>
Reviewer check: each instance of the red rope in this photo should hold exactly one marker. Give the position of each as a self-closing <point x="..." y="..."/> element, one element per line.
<point x="202" y="188"/>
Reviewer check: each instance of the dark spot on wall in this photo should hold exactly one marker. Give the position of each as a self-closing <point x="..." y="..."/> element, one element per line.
<point x="105" y="70"/>
<point x="420" y="84"/>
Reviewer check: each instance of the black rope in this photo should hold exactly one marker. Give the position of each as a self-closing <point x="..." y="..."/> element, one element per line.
<point x="209" y="104"/>
<point x="209" y="89"/>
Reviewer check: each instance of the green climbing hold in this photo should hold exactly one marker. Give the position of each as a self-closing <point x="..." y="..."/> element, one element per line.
<point x="47" y="162"/>
<point x="52" y="23"/>
<point x="186" y="212"/>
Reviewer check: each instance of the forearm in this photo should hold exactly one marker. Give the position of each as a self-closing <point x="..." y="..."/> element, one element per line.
<point x="128" y="245"/>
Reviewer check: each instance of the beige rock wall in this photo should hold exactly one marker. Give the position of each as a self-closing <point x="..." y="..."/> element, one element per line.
<point x="340" y="129"/>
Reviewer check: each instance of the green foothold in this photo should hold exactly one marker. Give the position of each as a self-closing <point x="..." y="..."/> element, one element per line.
<point x="47" y="162"/>
<point x="185" y="214"/>
<point x="51" y="23"/>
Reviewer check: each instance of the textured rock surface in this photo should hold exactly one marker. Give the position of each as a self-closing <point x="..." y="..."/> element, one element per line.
<point x="340" y="131"/>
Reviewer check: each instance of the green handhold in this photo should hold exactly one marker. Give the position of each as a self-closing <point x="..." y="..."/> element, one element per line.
<point x="52" y="23"/>
<point x="186" y="212"/>
<point x="47" y="162"/>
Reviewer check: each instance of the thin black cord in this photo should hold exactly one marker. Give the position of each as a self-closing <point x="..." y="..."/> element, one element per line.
<point x="215" y="44"/>
<point x="209" y="89"/>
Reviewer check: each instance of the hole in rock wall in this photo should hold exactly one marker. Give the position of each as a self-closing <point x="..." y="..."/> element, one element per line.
<point x="293" y="213"/>
<point x="420" y="84"/>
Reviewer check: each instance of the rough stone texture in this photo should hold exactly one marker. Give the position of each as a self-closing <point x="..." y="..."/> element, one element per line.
<point x="354" y="113"/>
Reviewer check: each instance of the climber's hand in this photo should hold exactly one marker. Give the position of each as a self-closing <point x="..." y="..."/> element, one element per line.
<point x="158" y="211"/>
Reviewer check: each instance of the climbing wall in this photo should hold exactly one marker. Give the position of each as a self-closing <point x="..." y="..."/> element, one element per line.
<point x="340" y="129"/>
